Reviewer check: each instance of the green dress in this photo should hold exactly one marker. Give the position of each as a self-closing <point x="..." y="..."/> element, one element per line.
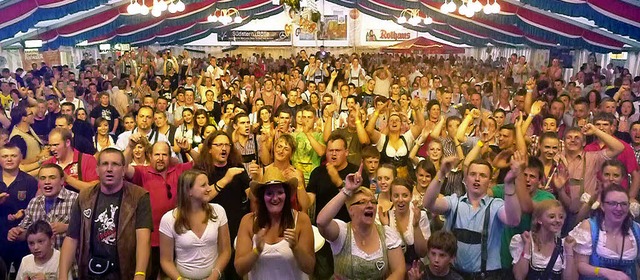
<point x="348" y="266"/>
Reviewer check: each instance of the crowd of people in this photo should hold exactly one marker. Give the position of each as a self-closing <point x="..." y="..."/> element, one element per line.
<point x="318" y="166"/>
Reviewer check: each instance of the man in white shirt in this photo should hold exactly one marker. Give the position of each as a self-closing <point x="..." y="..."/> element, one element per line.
<point x="213" y="70"/>
<point x="144" y="119"/>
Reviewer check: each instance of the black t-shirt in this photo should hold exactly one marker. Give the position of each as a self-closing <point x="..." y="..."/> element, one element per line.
<point x="41" y="128"/>
<point x="321" y="185"/>
<point x="105" y="217"/>
<point x="452" y="275"/>
<point x="108" y="113"/>
<point x="83" y="144"/>
<point x="83" y="128"/>
<point x="233" y="197"/>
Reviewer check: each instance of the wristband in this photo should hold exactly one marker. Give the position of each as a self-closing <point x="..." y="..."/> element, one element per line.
<point x="346" y="192"/>
<point x="216" y="187"/>
<point x="179" y="278"/>
<point x="140" y="273"/>
<point x="255" y="251"/>
<point x="596" y="271"/>
<point x="480" y="144"/>
<point x="510" y="194"/>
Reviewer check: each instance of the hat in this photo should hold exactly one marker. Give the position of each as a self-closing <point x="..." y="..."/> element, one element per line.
<point x="273" y="176"/>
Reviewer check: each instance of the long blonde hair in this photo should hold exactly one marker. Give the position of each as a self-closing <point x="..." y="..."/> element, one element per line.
<point x="539" y="210"/>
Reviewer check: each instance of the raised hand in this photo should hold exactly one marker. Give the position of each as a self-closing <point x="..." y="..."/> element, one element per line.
<point x="475" y="113"/>
<point x="354" y="180"/>
<point x="536" y="107"/>
<point x="414" y="272"/>
<point x="448" y="164"/>
<point x="290" y="237"/>
<point x="526" y="238"/>
<point x="416" y="214"/>
<point x="531" y="83"/>
<point x="589" y="129"/>
<point x="13" y="233"/>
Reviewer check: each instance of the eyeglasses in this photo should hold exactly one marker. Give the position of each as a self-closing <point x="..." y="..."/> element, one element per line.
<point x="169" y="195"/>
<point x="614" y="204"/>
<point x="364" y="202"/>
<point x="221" y="145"/>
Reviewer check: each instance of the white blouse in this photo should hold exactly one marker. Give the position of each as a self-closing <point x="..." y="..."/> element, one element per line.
<point x="537" y="259"/>
<point x="392" y="239"/>
<point x="408" y="233"/>
<point x="403" y="150"/>
<point x="195" y="257"/>
<point x="584" y="243"/>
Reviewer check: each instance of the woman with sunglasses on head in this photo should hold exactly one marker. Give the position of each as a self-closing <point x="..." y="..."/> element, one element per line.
<point x="533" y="251"/>
<point x="275" y="240"/>
<point x="408" y="220"/>
<point x="361" y="248"/>
<point x="607" y="244"/>
<point x="196" y="230"/>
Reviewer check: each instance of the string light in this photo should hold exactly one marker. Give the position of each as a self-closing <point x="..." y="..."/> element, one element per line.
<point x="413" y="17"/>
<point x="469" y="8"/>
<point x="157" y="7"/>
<point x="225" y="16"/>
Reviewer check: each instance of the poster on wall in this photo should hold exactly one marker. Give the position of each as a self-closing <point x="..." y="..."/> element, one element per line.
<point x="30" y="56"/>
<point x="254" y="36"/>
<point x="331" y="27"/>
<point x="379" y="35"/>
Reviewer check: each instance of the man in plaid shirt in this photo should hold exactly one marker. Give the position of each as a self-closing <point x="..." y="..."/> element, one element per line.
<point x="52" y="206"/>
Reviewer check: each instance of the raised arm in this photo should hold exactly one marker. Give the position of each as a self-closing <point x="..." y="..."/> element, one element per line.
<point x="461" y="133"/>
<point x="614" y="146"/>
<point x="327" y="227"/>
<point x="511" y="203"/>
<point x="431" y="201"/>
<point x="418" y="116"/>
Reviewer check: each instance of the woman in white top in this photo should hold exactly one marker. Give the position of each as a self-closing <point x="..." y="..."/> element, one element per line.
<point x="275" y="240"/>
<point x="361" y="248"/>
<point x="408" y="220"/>
<point x="196" y="230"/>
<point x="607" y="243"/>
<point x="186" y="131"/>
<point x="103" y="139"/>
<point x="532" y="251"/>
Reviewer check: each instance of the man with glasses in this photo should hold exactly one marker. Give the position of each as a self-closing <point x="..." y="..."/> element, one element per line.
<point x="160" y="179"/>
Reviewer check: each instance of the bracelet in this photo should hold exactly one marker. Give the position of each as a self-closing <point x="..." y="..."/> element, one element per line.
<point x="346" y="192"/>
<point x="140" y="273"/>
<point x="216" y="187"/>
<point x="179" y="278"/>
<point x="510" y="194"/>
<point x="255" y="251"/>
<point x="480" y="144"/>
<point x="218" y="270"/>
<point x="596" y="271"/>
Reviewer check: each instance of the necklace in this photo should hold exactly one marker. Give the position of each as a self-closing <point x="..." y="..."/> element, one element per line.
<point x="363" y="241"/>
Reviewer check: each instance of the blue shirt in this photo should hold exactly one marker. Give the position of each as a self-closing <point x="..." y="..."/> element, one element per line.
<point x="468" y="255"/>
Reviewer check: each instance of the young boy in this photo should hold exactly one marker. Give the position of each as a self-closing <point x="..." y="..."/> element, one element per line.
<point x="371" y="160"/>
<point x="442" y="247"/>
<point x="42" y="263"/>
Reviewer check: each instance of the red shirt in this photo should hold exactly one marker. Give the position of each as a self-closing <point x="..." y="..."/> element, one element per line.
<point x="88" y="167"/>
<point x="156" y="184"/>
<point x="627" y="157"/>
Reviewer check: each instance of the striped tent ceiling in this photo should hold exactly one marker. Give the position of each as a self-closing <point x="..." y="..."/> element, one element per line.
<point x="610" y="25"/>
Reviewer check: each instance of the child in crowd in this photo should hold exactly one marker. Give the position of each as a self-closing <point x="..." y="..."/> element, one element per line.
<point x="371" y="160"/>
<point x="442" y="247"/>
<point x="42" y="263"/>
